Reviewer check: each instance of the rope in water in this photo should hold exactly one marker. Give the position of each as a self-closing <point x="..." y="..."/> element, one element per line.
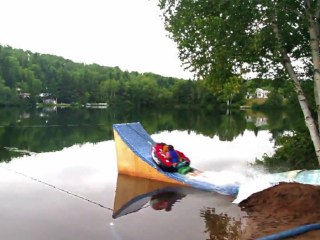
<point x="57" y="188"/>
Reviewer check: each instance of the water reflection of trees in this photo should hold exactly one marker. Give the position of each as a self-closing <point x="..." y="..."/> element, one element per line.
<point x="220" y="226"/>
<point x="40" y="130"/>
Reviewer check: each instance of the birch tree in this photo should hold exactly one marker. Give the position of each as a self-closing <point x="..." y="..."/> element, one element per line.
<point x="218" y="39"/>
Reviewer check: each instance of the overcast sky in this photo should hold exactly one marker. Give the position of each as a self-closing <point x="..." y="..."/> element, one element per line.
<point x="125" y="33"/>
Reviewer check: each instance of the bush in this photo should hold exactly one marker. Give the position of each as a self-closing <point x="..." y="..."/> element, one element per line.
<point x="293" y="151"/>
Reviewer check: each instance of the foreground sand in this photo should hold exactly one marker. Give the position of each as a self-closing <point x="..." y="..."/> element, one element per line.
<point x="282" y="207"/>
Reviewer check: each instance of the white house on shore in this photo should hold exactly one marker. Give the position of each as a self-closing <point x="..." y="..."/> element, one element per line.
<point x="260" y="93"/>
<point x="46" y="99"/>
<point x="49" y="101"/>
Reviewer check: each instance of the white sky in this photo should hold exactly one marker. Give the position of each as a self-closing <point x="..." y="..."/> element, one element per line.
<point x="125" y="33"/>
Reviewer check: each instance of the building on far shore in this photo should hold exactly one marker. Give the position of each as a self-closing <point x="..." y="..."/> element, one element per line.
<point x="96" y="105"/>
<point x="48" y="99"/>
<point x="261" y="93"/>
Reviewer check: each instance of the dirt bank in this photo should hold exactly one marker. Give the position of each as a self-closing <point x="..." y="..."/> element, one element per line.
<point x="282" y="207"/>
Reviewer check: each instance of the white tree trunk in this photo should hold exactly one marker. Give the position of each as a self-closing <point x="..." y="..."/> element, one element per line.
<point x="312" y="127"/>
<point x="310" y="123"/>
<point x="314" y="44"/>
<point x="316" y="97"/>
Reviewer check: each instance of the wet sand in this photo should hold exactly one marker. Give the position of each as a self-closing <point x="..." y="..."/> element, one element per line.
<point x="282" y="207"/>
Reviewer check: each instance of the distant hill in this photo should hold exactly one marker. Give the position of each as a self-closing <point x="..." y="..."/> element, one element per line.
<point x="25" y="75"/>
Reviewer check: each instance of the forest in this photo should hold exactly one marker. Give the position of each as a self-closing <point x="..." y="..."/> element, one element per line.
<point x="31" y="78"/>
<point x="26" y="76"/>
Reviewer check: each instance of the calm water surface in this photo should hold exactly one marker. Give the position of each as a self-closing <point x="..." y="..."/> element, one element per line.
<point x="75" y="192"/>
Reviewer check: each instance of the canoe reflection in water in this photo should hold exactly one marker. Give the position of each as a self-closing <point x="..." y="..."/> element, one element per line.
<point x="165" y="200"/>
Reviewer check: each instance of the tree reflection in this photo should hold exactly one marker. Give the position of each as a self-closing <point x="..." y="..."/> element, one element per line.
<point x="220" y="226"/>
<point x="43" y="130"/>
<point x="231" y="125"/>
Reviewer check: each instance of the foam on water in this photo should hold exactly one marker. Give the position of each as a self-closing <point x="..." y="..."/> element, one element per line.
<point x="267" y="180"/>
<point x="249" y="181"/>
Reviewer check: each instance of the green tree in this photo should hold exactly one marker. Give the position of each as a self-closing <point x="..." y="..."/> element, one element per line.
<point x="108" y="89"/>
<point x="5" y="93"/>
<point x="227" y="90"/>
<point x="218" y="39"/>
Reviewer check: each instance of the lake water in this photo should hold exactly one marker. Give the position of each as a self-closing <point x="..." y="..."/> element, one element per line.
<point x="59" y="176"/>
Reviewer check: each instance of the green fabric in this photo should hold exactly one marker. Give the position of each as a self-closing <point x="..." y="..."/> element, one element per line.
<point x="184" y="169"/>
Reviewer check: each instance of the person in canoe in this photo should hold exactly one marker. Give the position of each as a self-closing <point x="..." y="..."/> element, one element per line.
<point x="173" y="156"/>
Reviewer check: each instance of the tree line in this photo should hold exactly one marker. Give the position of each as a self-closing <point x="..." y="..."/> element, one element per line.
<point x="78" y="83"/>
<point x="24" y="75"/>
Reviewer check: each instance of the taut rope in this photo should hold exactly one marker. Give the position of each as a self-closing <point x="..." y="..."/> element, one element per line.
<point x="57" y="188"/>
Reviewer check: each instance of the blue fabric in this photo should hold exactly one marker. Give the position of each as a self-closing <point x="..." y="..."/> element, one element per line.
<point x="140" y="142"/>
<point x="174" y="157"/>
